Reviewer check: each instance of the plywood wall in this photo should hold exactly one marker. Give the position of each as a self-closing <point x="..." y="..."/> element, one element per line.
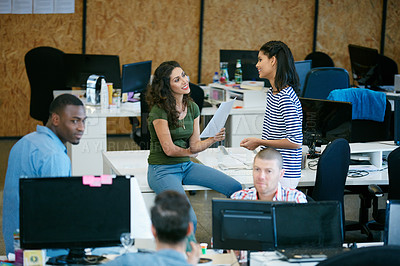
<point x="138" y="30"/>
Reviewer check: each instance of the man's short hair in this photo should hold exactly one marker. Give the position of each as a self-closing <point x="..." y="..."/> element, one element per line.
<point x="59" y="103"/>
<point x="270" y="154"/>
<point x="170" y="216"/>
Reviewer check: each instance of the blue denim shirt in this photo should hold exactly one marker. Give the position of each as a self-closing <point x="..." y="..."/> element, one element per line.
<point x="38" y="154"/>
<point x="163" y="257"/>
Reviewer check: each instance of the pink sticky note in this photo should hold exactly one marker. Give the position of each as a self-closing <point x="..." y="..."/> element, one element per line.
<point x="106" y="179"/>
<point x="96" y="182"/>
<point x="87" y="179"/>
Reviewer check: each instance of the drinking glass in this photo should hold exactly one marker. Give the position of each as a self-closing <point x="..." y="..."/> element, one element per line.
<point x="126" y="241"/>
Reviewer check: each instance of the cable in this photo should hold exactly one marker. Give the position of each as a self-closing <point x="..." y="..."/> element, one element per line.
<point x="357" y="173"/>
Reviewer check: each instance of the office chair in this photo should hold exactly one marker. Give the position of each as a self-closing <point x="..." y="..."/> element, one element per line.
<point x="321" y="81"/>
<point x="45" y="70"/>
<point x="332" y="169"/>
<point x="387" y="70"/>
<point x="197" y="94"/>
<point x="320" y="59"/>
<point x="376" y="192"/>
<point x="141" y="135"/>
<point x="383" y="255"/>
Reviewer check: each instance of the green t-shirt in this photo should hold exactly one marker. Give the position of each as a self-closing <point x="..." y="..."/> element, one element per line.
<point x="180" y="135"/>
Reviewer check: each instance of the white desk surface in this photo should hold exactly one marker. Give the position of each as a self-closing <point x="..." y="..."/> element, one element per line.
<point x="135" y="163"/>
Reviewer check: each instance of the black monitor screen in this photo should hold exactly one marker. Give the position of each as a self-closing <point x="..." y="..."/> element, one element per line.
<point x="63" y="213"/>
<point x="242" y="224"/>
<point x="364" y="64"/>
<point x="248" y="60"/>
<point x="136" y="76"/>
<point x="314" y="224"/>
<point x="324" y="121"/>
<point x="80" y="66"/>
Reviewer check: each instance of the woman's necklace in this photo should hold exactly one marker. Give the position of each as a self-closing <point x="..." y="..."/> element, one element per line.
<point x="183" y="119"/>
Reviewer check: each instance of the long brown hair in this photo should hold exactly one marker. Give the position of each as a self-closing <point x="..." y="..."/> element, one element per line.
<point x="159" y="92"/>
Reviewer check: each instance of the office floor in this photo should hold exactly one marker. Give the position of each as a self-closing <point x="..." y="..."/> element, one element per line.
<point x="201" y="201"/>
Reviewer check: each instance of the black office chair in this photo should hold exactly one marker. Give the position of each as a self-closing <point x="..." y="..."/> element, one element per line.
<point x="369" y="130"/>
<point x="320" y="59"/>
<point x="332" y="169"/>
<point x="45" y="69"/>
<point x="383" y="255"/>
<point x="387" y="70"/>
<point x="379" y="215"/>
<point x="321" y="81"/>
<point x="141" y="135"/>
<point x="197" y="94"/>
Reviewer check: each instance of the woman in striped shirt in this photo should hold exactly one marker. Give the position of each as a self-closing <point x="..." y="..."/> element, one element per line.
<point x="282" y="126"/>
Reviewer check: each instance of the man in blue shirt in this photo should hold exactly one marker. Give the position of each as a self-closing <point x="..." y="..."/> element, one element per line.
<point x="41" y="154"/>
<point x="170" y="226"/>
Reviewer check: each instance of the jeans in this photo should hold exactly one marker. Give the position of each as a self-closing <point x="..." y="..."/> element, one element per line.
<point x="171" y="177"/>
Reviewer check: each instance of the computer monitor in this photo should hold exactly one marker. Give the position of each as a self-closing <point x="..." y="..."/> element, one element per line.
<point x="313" y="224"/>
<point x="248" y="60"/>
<point x="302" y="68"/>
<point x="364" y="65"/>
<point x="61" y="212"/>
<point x="392" y="226"/>
<point x="135" y="76"/>
<point x="79" y="67"/>
<point x="242" y="224"/>
<point x="324" y="121"/>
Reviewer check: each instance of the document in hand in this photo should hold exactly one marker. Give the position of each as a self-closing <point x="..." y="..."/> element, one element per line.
<point x="218" y="121"/>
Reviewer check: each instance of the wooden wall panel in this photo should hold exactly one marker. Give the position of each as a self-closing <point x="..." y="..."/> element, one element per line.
<point x="247" y="25"/>
<point x="392" y="37"/>
<point x="19" y="34"/>
<point x="345" y="22"/>
<point x="139" y="30"/>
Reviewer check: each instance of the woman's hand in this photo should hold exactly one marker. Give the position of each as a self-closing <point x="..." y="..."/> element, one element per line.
<point x="250" y="143"/>
<point x="220" y="135"/>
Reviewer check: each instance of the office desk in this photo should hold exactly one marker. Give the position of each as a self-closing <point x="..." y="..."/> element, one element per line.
<point x="135" y="163"/>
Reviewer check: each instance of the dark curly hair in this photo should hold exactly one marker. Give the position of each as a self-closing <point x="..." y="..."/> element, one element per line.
<point x="286" y="74"/>
<point x="159" y="92"/>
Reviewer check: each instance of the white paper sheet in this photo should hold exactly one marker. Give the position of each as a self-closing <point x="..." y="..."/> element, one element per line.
<point x="5" y="6"/>
<point x="43" y="6"/>
<point x="22" y="6"/>
<point x="219" y="119"/>
<point x="64" y="6"/>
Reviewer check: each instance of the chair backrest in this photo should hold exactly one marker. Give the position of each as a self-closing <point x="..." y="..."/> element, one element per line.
<point x="332" y="169"/>
<point x="387" y="70"/>
<point x="394" y="174"/>
<point x="320" y="59"/>
<point x="322" y="80"/>
<point x="384" y="255"/>
<point x="197" y="94"/>
<point x="369" y="130"/>
<point x="144" y="139"/>
<point x="45" y="70"/>
<point x="302" y="69"/>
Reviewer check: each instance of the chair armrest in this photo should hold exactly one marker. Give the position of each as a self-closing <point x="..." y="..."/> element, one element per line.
<point x="375" y="191"/>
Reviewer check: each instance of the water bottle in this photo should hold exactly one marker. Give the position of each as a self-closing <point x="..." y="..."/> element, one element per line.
<point x="216" y="77"/>
<point x="238" y="72"/>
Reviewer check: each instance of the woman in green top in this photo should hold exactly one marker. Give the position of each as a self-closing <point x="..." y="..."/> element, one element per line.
<point x="175" y="137"/>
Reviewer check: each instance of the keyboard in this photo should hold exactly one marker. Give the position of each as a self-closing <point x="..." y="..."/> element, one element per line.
<point x="309" y="254"/>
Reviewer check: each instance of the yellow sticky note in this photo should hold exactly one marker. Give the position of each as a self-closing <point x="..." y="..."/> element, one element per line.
<point x="34" y="257"/>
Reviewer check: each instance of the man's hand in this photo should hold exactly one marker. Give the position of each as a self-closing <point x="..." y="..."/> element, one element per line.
<point x="250" y="143"/>
<point x="194" y="255"/>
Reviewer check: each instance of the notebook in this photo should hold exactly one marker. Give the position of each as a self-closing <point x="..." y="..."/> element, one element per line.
<point x="392" y="225"/>
<point x="308" y="232"/>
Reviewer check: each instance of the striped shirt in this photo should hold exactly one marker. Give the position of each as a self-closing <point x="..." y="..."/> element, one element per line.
<point x="282" y="194"/>
<point x="283" y="120"/>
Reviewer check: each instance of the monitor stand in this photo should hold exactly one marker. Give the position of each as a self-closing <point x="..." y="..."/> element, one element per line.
<point x="75" y="256"/>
